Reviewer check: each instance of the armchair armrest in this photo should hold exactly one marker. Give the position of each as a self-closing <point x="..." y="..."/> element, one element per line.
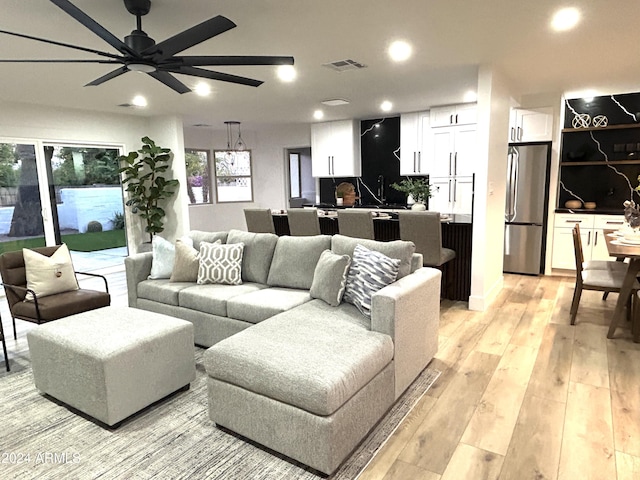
<point x="137" y="268"/>
<point x="106" y="285"/>
<point x="22" y="290"/>
<point x="408" y="311"/>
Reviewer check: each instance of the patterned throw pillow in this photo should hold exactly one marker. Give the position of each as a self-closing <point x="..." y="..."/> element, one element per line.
<point x="373" y="271"/>
<point x="220" y="264"/>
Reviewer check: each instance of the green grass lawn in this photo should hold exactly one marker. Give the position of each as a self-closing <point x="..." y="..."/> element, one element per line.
<point x="80" y="242"/>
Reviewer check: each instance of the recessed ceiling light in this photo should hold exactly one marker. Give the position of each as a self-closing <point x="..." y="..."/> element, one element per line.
<point x="399" y="51"/>
<point x="470" y="96"/>
<point x="386" y="106"/>
<point x="318" y="114"/>
<point x="565" y="19"/>
<point x="335" y="102"/>
<point x="139" y="101"/>
<point x="202" y="89"/>
<point x="287" y="73"/>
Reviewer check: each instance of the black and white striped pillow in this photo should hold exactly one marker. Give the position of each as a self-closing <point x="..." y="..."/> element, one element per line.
<point x="370" y="271"/>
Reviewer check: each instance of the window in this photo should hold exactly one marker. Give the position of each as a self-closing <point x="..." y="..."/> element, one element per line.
<point x="295" y="181"/>
<point x="233" y="176"/>
<point x="198" y="177"/>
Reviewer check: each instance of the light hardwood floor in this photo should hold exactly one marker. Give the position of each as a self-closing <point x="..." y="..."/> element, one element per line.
<point x="522" y="395"/>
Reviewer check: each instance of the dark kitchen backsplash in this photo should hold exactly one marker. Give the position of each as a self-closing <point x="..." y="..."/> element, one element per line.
<point x="380" y="147"/>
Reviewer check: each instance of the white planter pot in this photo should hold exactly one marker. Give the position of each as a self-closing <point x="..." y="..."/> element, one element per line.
<point x="339" y="201"/>
<point x="420" y="207"/>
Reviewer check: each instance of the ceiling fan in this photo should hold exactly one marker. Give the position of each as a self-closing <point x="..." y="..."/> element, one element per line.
<point x="141" y="53"/>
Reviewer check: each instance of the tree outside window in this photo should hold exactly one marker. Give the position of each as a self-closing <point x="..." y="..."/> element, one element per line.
<point x="233" y="176"/>
<point x="198" y="178"/>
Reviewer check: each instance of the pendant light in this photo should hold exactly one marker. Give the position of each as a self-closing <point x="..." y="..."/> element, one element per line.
<point x="239" y="145"/>
<point x="229" y="156"/>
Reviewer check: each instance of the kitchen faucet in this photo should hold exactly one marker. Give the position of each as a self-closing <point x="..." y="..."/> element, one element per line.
<point x="381" y="188"/>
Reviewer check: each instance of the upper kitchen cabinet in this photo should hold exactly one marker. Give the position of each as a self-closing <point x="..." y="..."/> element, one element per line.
<point x="463" y="114"/>
<point x="414" y="143"/>
<point x="452" y="151"/>
<point x="531" y="125"/>
<point x="335" y="149"/>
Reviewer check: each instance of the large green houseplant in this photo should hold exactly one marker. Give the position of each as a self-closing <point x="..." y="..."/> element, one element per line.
<point x="147" y="187"/>
<point x="419" y="189"/>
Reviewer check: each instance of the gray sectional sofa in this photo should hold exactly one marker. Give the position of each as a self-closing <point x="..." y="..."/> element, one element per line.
<point x="290" y="371"/>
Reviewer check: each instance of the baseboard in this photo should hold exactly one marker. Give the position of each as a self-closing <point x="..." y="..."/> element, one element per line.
<point x="481" y="303"/>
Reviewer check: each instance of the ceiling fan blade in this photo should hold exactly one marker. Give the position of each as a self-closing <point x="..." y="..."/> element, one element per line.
<point x="224" y="77"/>
<point x="37" y="60"/>
<point x="94" y="26"/>
<point x="190" y="37"/>
<point x="108" y="76"/>
<point x="53" y="42"/>
<point x="194" y="61"/>
<point x="170" y="81"/>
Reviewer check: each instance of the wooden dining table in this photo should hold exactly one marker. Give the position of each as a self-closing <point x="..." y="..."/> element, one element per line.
<point x="620" y="251"/>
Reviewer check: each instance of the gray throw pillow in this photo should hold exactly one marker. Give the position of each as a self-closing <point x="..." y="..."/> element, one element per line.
<point x="185" y="263"/>
<point x="257" y="255"/>
<point x="220" y="263"/>
<point x="164" y="253"/>
<point x="373" y="271"/>
<point x="329" y="278"/>
<point x="295" y="259"/>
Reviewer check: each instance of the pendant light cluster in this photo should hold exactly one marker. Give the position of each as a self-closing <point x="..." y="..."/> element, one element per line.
<point x="238" y="145"/>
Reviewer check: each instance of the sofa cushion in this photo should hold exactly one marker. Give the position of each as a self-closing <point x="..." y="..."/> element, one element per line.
<point x="161" y="290"/>
<point x="295" y="259"/>
<point x="312" y="361"/>
<point x="258" y="253"/>
<point x="399" y="249"/>
<point x="371" y="271"/>
<point x="329" y="277"/>
<point x="220" y="263"/>
<point x="210" y="237"/>
<point x="213" y="298"/>
<point x="257" y="306"/>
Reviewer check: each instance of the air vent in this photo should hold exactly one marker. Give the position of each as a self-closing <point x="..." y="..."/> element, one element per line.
<point x="343" y="65"/>
<point x="335" y="102"/>
<point x="126" y="105"/>
<point x="201" y="125"/>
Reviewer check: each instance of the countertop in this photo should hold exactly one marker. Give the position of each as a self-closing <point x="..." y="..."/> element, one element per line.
<point x="386" y="214"/>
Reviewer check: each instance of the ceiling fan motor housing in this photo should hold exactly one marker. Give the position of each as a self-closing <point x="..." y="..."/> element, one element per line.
<point x="139" y="41"/>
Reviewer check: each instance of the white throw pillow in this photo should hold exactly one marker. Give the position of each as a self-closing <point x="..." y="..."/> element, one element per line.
<point x="164" y="253"/>
<point x="220" y="263"/>
<point x="49" y="275"/>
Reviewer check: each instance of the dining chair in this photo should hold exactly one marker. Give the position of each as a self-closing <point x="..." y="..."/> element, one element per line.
<point x="303" y="221"/>
<point x="356" y="223"/>
<point x="259" y="220"/>
<point x="602" y="280"/>
<point x="425" y="231"/>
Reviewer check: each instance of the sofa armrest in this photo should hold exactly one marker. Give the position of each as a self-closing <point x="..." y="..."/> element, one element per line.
<point x="408" y="311"/>
<point x="137" y="268"/>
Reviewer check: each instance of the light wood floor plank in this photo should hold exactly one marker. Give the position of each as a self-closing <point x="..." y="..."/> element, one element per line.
<point x="493" y="422"/>
<point x="498" y="333"/>
<point x="589" y="364"/>
<point x="627" y="466"/>
<point x="473" y="463"/>
<point x="550" y="376"/>
<point x="440" y="433"/>
<point x="624" y="371"/>
<point x="534" y="451"/>
<point x="588" y="435"/>
<point x="404" y="471"/>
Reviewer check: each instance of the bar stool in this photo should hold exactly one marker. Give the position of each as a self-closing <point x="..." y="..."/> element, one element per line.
<point x="303" y="222"/>
<point x="425" y="231"/>
<point x="259" y="220"/>
<point x="356" y="223"/>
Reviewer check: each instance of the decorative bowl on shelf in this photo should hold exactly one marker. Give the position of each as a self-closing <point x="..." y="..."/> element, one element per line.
<point x="590" y="205"/>
<point x="573" y="204"/>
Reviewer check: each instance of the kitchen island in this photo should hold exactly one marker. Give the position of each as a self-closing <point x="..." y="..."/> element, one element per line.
<point x="456" y="235"/>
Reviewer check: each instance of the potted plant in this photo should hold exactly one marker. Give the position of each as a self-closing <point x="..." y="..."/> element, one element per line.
<point x="142" y="174"/>
<point x="339" y="198"/>
<point x="419" y="189"/>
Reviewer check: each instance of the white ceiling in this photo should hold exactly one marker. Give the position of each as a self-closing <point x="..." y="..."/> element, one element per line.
<point x="450" y="39"/>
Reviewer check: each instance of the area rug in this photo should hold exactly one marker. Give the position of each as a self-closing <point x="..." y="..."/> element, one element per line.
<point x="172" y="439"/>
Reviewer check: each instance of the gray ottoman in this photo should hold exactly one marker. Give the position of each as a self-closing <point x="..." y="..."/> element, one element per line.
<point x="308" y="386"/>
<point x="112" y="362"/>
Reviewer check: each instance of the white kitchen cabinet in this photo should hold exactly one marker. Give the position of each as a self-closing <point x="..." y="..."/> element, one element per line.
<point x="414" y="143"/>
<point x="463" y="114"/>
<point x="453" y="151"/>
<point x="531" y="125"/>
<point x="452" y="195"/>
<point x="594" y="246"/>
<point x="335" y="149"/>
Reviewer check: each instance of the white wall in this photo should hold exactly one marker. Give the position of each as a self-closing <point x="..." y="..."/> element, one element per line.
<point x="57" y="125"/>
<point x="488" y="213"/>
<point x="268" y="146"/>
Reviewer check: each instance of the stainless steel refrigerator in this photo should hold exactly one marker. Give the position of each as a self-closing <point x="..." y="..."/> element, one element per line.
<point x="527" y="197"/>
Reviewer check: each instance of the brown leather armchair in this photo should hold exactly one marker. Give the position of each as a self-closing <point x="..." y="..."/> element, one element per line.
<point x="50" y="307"/>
